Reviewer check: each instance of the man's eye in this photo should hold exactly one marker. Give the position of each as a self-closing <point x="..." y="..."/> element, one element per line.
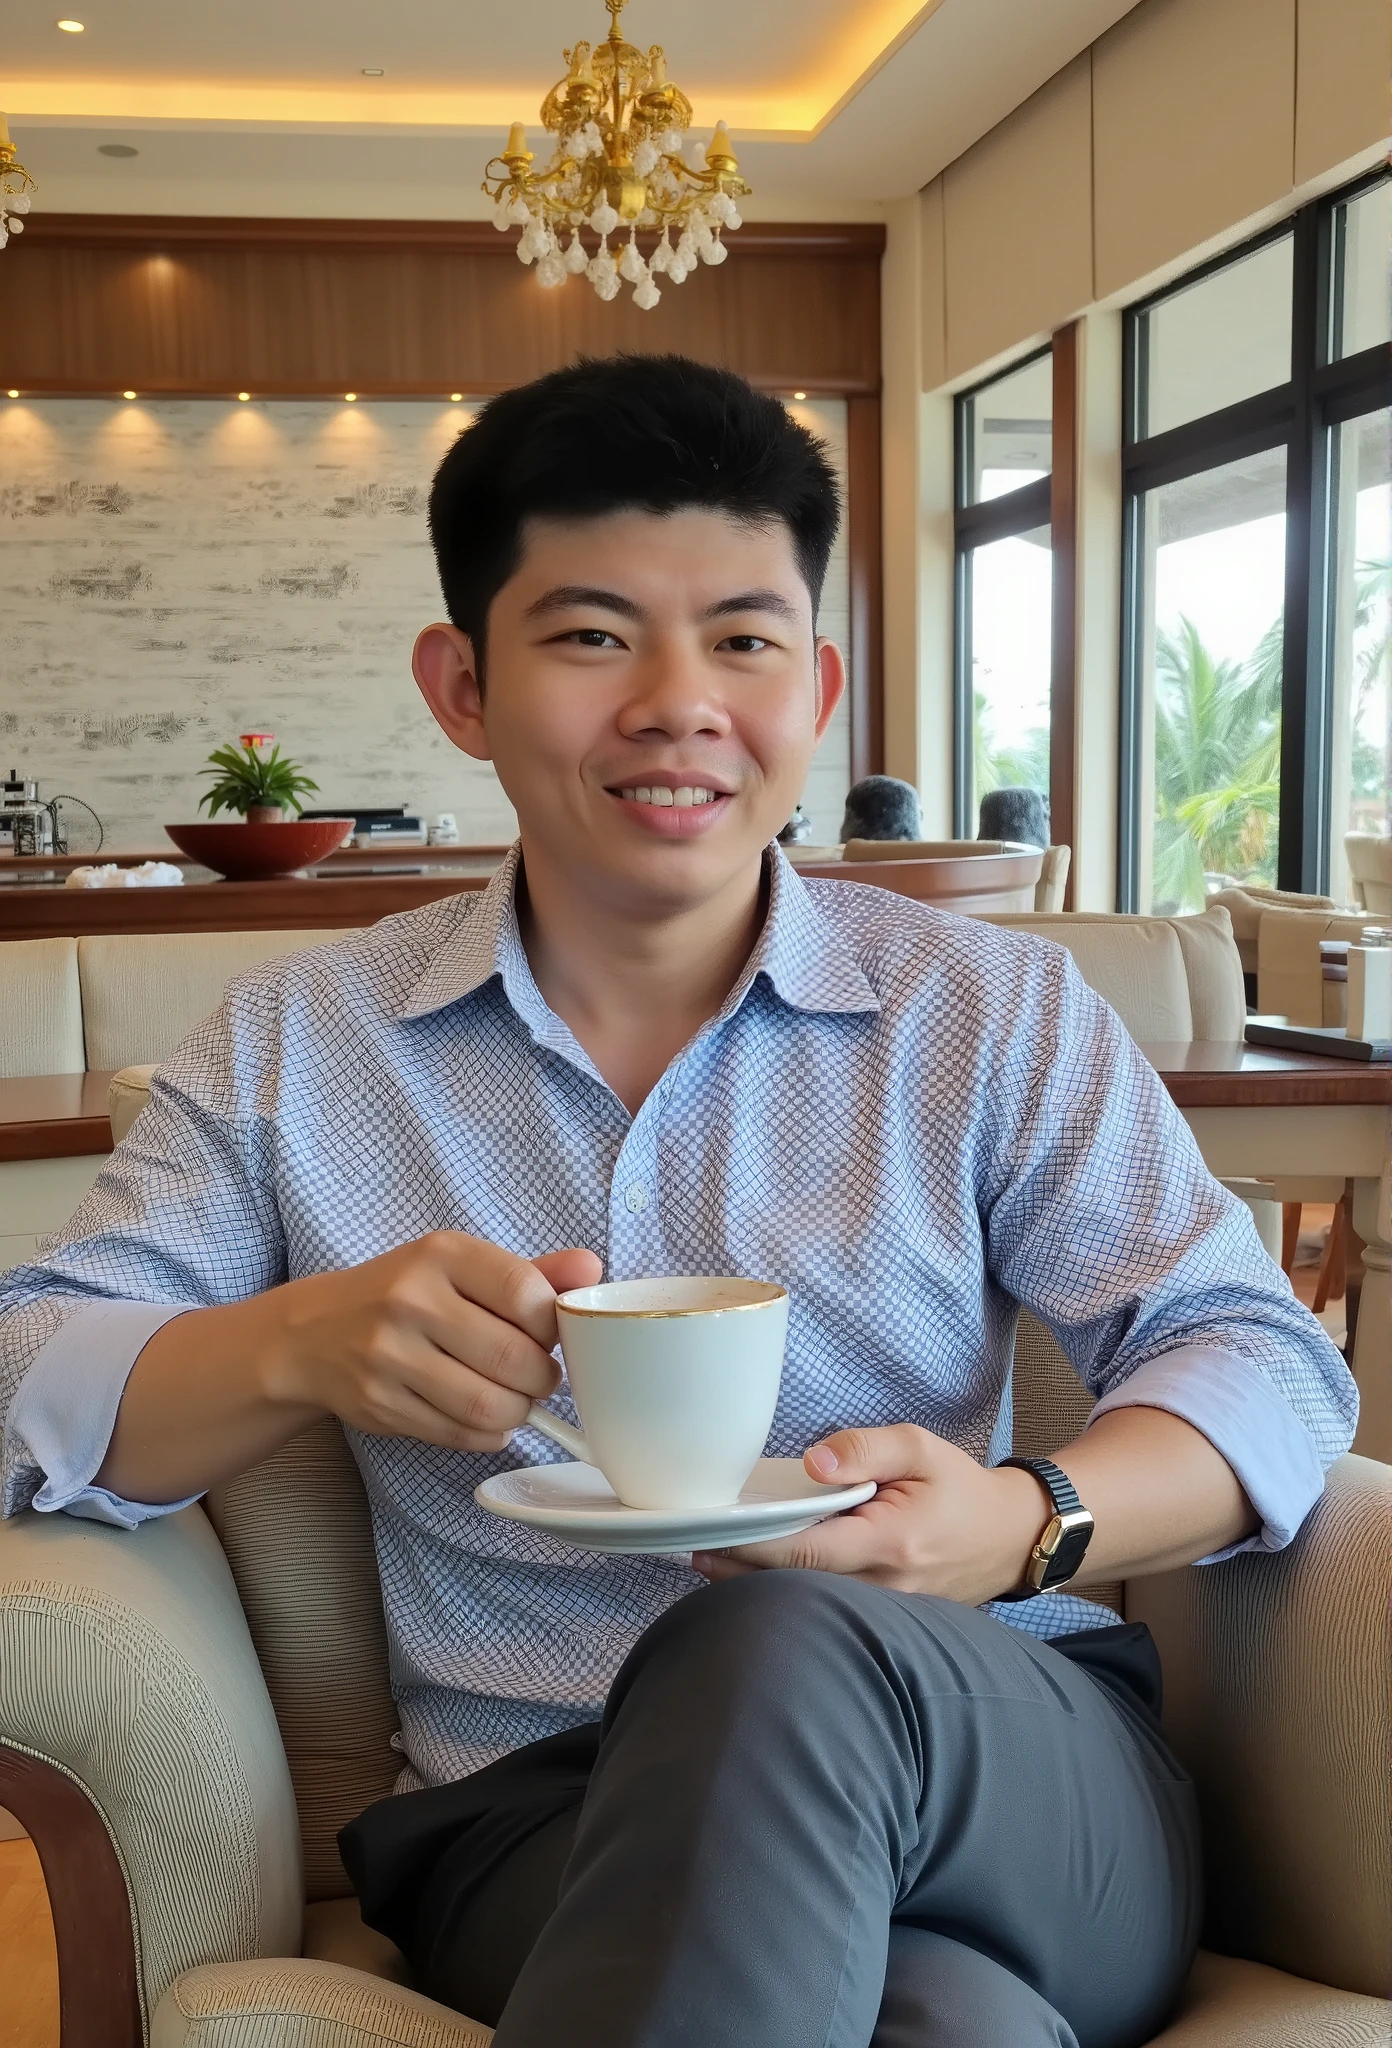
<point x="743" y="643"/>
<point x="592" y="636"/>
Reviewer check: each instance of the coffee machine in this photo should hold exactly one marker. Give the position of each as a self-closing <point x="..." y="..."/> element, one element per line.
<point x="27" y="826"/>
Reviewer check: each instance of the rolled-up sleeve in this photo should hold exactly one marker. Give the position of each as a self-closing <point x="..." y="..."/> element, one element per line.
<point x="182" y="1216"/>
<point x="1105" y="1223"/>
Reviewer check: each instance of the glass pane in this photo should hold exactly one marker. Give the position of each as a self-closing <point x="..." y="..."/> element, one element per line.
<point x="1009" y="429"/>
<point x="1010" y="622"/>
<point x="1214" y="342"/>
<point x="1362" y="235"/>
<point x="1210" y="683"/>
<point x="1361" y="558"/>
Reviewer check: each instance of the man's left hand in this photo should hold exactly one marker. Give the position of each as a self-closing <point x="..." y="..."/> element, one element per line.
<point x="939" y="1523"/>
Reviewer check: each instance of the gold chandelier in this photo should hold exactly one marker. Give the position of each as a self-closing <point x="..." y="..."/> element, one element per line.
<point x="617" y="165"/>
<point x="16" y="185"/>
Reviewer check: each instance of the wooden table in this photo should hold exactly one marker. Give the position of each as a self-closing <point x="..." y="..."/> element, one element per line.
<point x="1276" y="1115"/>
<point x="316" y="902"/>
<point x="54" y="1116"/>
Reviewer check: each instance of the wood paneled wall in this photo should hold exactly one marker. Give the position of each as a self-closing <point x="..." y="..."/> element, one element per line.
<point x="96" y="303"/>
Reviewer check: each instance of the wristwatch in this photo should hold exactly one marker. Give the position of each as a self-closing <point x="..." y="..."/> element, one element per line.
<point x="1061" y="1549"/>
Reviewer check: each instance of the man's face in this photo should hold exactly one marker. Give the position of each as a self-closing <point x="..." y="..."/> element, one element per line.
<point x="654" y="692"/>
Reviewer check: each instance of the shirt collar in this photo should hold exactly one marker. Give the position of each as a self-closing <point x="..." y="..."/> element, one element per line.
<point x="802" y="953"/>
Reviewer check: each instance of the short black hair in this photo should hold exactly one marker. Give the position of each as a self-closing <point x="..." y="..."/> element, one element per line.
<point x="656" y="433"/>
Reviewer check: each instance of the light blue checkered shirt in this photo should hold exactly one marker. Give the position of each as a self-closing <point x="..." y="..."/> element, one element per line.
<point x="913" y="1121"/>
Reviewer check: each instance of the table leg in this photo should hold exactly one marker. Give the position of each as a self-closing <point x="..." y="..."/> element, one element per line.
<point x="1372" y="1349"/>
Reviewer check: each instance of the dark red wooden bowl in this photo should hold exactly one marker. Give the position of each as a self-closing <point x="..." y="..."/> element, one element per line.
<point x="259" y="853"/>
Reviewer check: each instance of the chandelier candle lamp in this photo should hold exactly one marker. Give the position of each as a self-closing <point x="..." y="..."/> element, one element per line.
<point x="16" y="187"/>
<point x="617" y="167"/>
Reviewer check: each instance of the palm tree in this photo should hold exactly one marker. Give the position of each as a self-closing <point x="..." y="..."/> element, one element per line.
<point x="997" y="765"/>
<point x="1217" y="763"/>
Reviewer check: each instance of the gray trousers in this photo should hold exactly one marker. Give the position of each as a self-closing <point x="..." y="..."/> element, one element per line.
<point x="824" y="1815"/>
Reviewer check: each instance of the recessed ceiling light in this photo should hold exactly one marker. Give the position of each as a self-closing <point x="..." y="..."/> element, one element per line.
<point x="127" y="394"/>
<point x="455" y="397"/>
<point x="14" y="394"/>
<point x="244" y="396"/>
<point x="73" y="28"/>
<point x="799" y="394"/>
<point x="373" y="71"/>
<point x="116" y="149"/>
<point x="351" y="397"/>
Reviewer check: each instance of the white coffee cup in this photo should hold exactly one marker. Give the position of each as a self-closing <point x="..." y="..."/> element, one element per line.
<point x="676" y="1381"/>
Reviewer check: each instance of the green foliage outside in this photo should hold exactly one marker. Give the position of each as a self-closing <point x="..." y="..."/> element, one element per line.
<point x="1217" y="765"/>
<point x="999" y="766"/>
<point x="1218" y="750"/>
<point x="245" y="777"/>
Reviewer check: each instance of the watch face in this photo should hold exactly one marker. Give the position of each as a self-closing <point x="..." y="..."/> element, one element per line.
<point x="1072" y="1548"/>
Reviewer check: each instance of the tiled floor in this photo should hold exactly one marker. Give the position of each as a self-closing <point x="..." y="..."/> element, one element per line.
<point x="28" y="1966"/>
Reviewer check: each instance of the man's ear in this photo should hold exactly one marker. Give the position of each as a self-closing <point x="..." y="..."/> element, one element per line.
<point x="446" y="674"/>
<point x="831" y="682"/>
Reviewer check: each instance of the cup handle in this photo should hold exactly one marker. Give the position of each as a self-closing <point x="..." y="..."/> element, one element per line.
<point x="563" y="1433"/>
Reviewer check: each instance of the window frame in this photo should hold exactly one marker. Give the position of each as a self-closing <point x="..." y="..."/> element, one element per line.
<point x="1012" y="513"/>
<point x="1300" y="416"/>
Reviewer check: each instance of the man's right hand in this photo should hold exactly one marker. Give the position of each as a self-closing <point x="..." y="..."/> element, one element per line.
<point x="447" y="1340"/>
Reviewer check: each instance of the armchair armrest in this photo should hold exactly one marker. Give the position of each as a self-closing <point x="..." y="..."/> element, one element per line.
<point x="127" y="1675"/>
<point x="1276" y="1700"/>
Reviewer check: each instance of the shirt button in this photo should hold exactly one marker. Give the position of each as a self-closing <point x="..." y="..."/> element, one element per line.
<point x="635" y="1199"/>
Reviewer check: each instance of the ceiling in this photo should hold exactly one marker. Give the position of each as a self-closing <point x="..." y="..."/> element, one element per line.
<point x="263" y="107"/>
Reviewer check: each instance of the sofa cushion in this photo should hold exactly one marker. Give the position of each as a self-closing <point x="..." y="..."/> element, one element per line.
<point x="40" y="1008"/>
<point x="143" y="993"/>
<point x="299" y="1540"/>
<point x="1231" y="2004"/>
<point x="1135" y="963"/>
<point x="1167" y="978"/>
<point x="298" y="2003"/>
<point x="334" y="1933"/>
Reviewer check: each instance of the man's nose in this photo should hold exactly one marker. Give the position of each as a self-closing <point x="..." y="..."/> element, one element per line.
<point x="675" y="694"/>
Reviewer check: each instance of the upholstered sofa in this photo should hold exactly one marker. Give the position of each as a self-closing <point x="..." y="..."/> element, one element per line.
<point x="189" y="1711"/>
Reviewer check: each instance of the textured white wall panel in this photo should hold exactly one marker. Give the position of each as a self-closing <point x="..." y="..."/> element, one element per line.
<point x="174" y="572"/>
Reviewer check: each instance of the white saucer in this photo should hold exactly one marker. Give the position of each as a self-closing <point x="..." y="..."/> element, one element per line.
<point x="576" y="1503"/>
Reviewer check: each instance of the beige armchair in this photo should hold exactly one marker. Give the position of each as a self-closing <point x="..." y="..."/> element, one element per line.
<point x="190" y="1711"/>
<point x="1369" y="857"/>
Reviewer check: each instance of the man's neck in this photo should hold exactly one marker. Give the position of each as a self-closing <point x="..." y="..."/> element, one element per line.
<point x="634" y="989"/>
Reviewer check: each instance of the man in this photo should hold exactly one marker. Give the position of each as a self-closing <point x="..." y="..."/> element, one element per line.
<point x="856" y="1788"/>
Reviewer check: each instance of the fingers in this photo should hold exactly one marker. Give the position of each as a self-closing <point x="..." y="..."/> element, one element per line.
<point x="514" y="1289"/>
<point x="901" y="1452"/>
<point x="568" y="1269"/>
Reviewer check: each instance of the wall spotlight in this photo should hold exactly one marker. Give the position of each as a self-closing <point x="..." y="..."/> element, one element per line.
<point x="73" y="28"/>
<point x="350" y="397"/>
<point x="127" y="394"/>
<point x="244" y="396"/>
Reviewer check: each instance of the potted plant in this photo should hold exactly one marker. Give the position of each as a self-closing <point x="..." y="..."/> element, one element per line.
<point x="258" y="787"/>
<point x="263" y="844"/>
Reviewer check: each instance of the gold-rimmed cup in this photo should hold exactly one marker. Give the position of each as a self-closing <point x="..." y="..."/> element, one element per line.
<point x="676" y="1381"/>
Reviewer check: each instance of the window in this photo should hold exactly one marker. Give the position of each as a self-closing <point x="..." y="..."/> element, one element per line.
<point x="1004" y="579"/>
<point x="1258" y="569"/>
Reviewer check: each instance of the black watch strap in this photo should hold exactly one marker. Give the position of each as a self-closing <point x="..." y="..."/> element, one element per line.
<point x="1054" y="1480"/>
<point x="1045" y="1574"/>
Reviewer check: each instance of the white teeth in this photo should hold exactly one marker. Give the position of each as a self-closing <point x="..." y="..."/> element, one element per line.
<point x="685" y="798"/>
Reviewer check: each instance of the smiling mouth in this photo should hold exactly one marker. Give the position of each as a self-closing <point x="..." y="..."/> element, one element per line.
<point x="688" y="797"/>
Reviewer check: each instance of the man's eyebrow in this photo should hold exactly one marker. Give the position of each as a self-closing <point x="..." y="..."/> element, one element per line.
<point x="753" y="601"/>
<point x="566" y="597"/>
